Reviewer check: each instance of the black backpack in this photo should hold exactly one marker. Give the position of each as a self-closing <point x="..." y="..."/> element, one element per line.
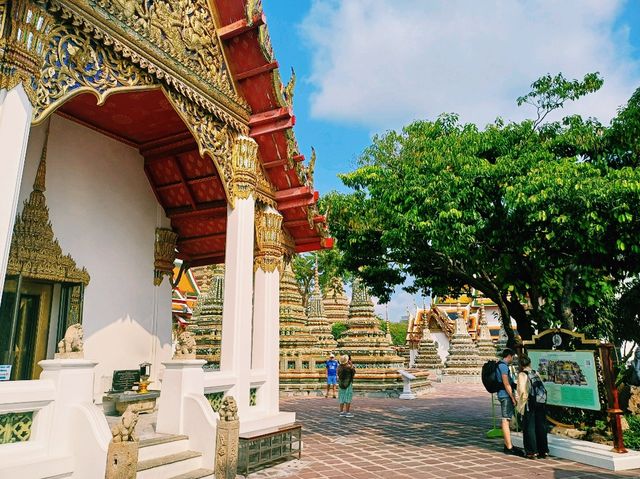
<point x="490" y="377"/>
<point x="537" y="391"/>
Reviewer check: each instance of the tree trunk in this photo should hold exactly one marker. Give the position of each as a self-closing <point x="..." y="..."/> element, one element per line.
<point x="523" y="320"/>
<point x="563" y="308"/>
<point x="505" y="317"/>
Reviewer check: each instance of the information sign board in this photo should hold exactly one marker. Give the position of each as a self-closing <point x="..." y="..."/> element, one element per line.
<point x="570" y="377"/>
<point x="5" y="372"/>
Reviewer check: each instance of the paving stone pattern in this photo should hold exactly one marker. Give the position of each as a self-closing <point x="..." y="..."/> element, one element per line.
<point x="438" y="436"/>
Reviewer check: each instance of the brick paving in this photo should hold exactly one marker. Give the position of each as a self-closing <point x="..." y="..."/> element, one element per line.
<point x="439" y="436"/>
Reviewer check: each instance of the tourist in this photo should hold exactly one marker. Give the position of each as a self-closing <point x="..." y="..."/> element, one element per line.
<point x="332" y="374"/>
<point x="507" y="400"/>
<point x="532" y="398"/>
<point x="346" y="371"/>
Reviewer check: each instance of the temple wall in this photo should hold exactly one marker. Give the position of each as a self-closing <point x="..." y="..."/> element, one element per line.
<point x="104" y="215"/>
<point x="443" y="344"/>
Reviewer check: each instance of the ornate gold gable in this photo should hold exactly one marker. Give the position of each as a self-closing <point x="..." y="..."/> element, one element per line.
<point x="35" y="253"/>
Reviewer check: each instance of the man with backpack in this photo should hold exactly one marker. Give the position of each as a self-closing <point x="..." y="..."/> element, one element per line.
<point x="532" y="400"/>
<point x="506" y="396"/>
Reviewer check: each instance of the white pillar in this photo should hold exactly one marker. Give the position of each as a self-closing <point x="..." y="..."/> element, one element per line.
<point x="266" y="337"/>
<point x="15" y="123"/>
<point x="235" y="358"/>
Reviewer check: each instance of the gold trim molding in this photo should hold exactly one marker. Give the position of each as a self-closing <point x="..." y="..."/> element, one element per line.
<point x="165" y="254"/>
<point x="244" y="161"/>
<point x="35" y="253"/>
<point x="269" y="250"/>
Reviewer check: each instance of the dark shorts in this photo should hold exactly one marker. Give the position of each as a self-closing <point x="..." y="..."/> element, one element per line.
<point x="506" y="408"/>
<point x="332" y="380"/>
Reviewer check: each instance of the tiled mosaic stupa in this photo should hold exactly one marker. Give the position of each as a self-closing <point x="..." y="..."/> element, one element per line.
<point x="501" y="345"/>
<point x="463" y="362"/>
<point x="486" y="348"/>
<point x="317" y="320"/>
<point x="299" y="355"/>
<point x="336" y="304"/>
<point x="375" y="359"/>
<point x="206" y="322"/>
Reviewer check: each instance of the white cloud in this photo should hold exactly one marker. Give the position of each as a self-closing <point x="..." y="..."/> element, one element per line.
<point x="383" y="63"/>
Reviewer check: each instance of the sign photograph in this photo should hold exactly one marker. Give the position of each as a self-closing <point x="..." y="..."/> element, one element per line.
<point x="569" y="377"/>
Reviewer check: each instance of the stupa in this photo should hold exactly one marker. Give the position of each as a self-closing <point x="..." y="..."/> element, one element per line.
<point x="299" y="371"/>
<point x="375" y="359"/>
<point x="428" y="357"/>
<point x="206" y="322"/>
<point x="317" y="320"/>
<point x="502" y="341"/>
<point x="335" y="302"/>
<point x="463" y="362"/>
<point x="486" y="348"/>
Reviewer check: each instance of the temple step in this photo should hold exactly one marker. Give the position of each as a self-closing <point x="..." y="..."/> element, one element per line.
<point x="172" y="465"/>
<point x="161" y="445"/>
<point x="197" y="474"/>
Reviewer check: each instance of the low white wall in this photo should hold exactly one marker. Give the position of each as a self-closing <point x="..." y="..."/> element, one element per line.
<point x="104" y="214"/>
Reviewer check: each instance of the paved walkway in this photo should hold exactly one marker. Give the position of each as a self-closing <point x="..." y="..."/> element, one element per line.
<point x="440" y="436"/>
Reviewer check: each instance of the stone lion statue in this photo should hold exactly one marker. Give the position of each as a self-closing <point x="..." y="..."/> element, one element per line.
<point x="186" y="344"/>
<point x="229" y="409"/>
<point x="125" y="430"/>
<point x="72" y="341"/>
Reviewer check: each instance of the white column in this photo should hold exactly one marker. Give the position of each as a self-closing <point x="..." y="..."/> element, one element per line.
<point x="266" y="337"/>
<point x="15" y="123"/>
<point x="238" y="298"/>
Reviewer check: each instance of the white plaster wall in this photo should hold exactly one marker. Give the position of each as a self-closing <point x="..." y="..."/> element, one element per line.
<point x="443" y="344"/>
<point x="104" y="214"/>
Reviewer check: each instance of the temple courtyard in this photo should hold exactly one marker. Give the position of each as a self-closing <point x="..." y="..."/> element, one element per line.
<point x="439" y="436"/>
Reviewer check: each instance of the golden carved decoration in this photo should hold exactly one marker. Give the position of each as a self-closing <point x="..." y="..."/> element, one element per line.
<point x="23" y="29"/>
<point x="268" y="255"/>
<point x="15" y="427"/>
<point x="265" y="191"/>
<point x="175" y="42"/>
<point x="165" y="254"/>
<point x="35" y="253"/>
<point x="75" y="63"/>
<point x="244" y="161"/>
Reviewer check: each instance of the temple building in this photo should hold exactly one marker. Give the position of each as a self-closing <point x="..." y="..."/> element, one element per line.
<point x="336" y="303"/>
<point x="298" y="347"/>
<point x="135" y="133"/>
<point x="463" y="363"/>
<point x="371" y="352"/>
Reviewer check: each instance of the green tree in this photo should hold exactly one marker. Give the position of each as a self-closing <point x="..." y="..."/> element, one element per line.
<point x="337" y="329"/>
<point x="329" y="266"/>
<point x="539" y="217"/>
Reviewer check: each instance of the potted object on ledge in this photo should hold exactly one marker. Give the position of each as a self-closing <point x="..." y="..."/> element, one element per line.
<point x="145" y="372"/>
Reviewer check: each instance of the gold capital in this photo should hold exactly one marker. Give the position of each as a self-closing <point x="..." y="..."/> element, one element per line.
<point x="269" y="250"/>
<point x="165" y="254"/>
<point x="244" y="160"/>
<point x="23" y="29"/>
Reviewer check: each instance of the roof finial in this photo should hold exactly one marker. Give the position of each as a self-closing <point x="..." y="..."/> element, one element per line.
<point x="39" y="183"/>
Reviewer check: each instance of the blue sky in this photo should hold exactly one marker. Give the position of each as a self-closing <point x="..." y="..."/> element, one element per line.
<point x="366" y="66"/>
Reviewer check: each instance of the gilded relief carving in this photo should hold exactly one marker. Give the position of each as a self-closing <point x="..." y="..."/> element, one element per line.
<point x="76" y="63"/>
<point x="165" y="254"/>
<point x="35" y="253"/>
<point x="268" y="255"/>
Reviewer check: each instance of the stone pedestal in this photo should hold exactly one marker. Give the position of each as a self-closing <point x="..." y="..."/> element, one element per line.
<point x="122" y="460"/>
<point x="181" y="377"/>
<point x="227" y="442"/>
<point x="406" y="379"/>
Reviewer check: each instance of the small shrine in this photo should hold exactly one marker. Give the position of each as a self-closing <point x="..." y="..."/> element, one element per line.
<point x="299" y="354"/>
<point x="336" y="303"/>
<point x="375" y="359"/>
<point x="463" y="362"/>
<point x="206" y="321"/>
<point x="485" y="345"/>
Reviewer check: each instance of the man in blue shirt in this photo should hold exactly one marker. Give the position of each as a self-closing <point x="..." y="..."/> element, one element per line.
<point x="332" y="374"/>
<point x="507" y="399"/>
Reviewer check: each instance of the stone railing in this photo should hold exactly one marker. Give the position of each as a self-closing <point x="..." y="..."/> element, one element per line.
<point x="47" y="425"/>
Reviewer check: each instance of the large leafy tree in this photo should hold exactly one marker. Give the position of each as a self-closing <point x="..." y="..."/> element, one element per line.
<point x="540" y="217"/>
